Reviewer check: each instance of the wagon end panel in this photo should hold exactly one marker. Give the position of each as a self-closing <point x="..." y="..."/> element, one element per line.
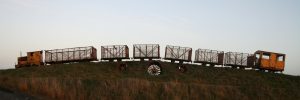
<point x="190" y="54"/>
<point x="94" y="54"/>
<point x="126" y="52"/>
<point x="251" y="61"/>
<point x="221" y="58"/>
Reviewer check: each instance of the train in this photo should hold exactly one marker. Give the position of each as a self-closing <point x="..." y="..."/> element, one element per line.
<point x="259" y="60"/>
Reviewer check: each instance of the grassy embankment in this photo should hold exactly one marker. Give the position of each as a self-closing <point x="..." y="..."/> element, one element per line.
<point x="105" y="81"/>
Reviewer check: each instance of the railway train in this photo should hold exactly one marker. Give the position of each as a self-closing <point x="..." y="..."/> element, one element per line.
<point x="261" y="60"/>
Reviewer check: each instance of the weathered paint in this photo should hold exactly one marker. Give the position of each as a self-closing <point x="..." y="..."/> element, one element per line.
<point x="35" y="58"/>
<point x="271" y="62"/>
<point x="32" y="59"/>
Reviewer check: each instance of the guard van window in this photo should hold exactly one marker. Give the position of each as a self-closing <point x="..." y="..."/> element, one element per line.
<point x="279" y="58"/>
<point x="266" y="56"/>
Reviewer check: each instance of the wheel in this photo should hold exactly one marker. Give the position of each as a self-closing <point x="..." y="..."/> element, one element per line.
<point x="182" y="68"/>
<point x="154" y="70"/>
<point x="122" y="66"/>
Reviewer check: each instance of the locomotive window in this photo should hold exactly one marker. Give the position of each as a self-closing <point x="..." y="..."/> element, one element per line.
<point x="257" y="56"/>
<point x="31" y="54"/>
<point x="279" y="58"/>
<point x="266" y="57"/>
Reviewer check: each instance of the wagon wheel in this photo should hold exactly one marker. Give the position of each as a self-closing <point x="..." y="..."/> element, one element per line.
<point x="122" y="66"/>
<point x="154" y="69"/>
<point x="182" y="68"/>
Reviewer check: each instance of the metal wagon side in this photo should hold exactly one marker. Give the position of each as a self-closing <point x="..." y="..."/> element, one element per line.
<point x="206" y="56"/>
<point x="67" y="55"/>
<point x="146" y="51"/>
<point x="236" y="59"/>
<point x="114" y="52"/>
<point x="177" y="53"/>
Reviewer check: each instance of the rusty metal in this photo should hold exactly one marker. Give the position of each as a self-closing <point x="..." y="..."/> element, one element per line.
<point x="34" y="58"/>
<point x="269" y="60"/>
<point x="177" y="53"/>
<point x="236" y="59"/>
<point x="146" y="51"/>
<point x="113" y="52"/>
<point x="67" y="55"/>
<point x="206" y="56"/>
<point x="251" y="61"/>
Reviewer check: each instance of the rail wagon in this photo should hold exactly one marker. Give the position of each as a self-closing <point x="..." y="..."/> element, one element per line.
<point x="67" y="55"/>
<point x="206" y="56"/>
<point x="177" y="53"/>
<point x="241" y="60"/>
<point x="114" y="52"/>
<point x="146" y="51"/>
<point x="34" y="58"/>
<point x="269" y="61"/>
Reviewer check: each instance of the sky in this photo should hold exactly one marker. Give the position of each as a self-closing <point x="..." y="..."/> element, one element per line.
<point x="227" y="25"/>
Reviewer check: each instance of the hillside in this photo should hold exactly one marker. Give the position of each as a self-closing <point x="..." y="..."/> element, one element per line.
<point x="104" y="81"/>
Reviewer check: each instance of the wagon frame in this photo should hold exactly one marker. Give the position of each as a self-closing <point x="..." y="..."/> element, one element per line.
<point x="207" y="56"/>
<point x="146" y="51"/>
<point x="68" y="55"/>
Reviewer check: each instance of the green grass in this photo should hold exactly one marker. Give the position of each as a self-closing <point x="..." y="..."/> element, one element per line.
<point x="104" y="81"/>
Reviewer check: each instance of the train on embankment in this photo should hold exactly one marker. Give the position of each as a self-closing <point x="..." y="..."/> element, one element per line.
<point x="259" y="60"/>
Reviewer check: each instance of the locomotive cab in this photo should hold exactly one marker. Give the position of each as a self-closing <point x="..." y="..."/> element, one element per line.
<point x="22" y="61"/>
<point x="32" y="59"/>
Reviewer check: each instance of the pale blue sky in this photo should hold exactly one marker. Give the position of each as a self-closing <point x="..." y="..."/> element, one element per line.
<point x="228" y="25"/>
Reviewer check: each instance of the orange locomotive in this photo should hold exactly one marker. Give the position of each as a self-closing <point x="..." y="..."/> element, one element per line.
<point x="34" y="58"/>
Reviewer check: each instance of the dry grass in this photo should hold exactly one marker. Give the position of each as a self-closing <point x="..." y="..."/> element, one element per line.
<point x="128" y="89"/>
<point x="91" y="82"/>
<point x="125" y="89"/>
